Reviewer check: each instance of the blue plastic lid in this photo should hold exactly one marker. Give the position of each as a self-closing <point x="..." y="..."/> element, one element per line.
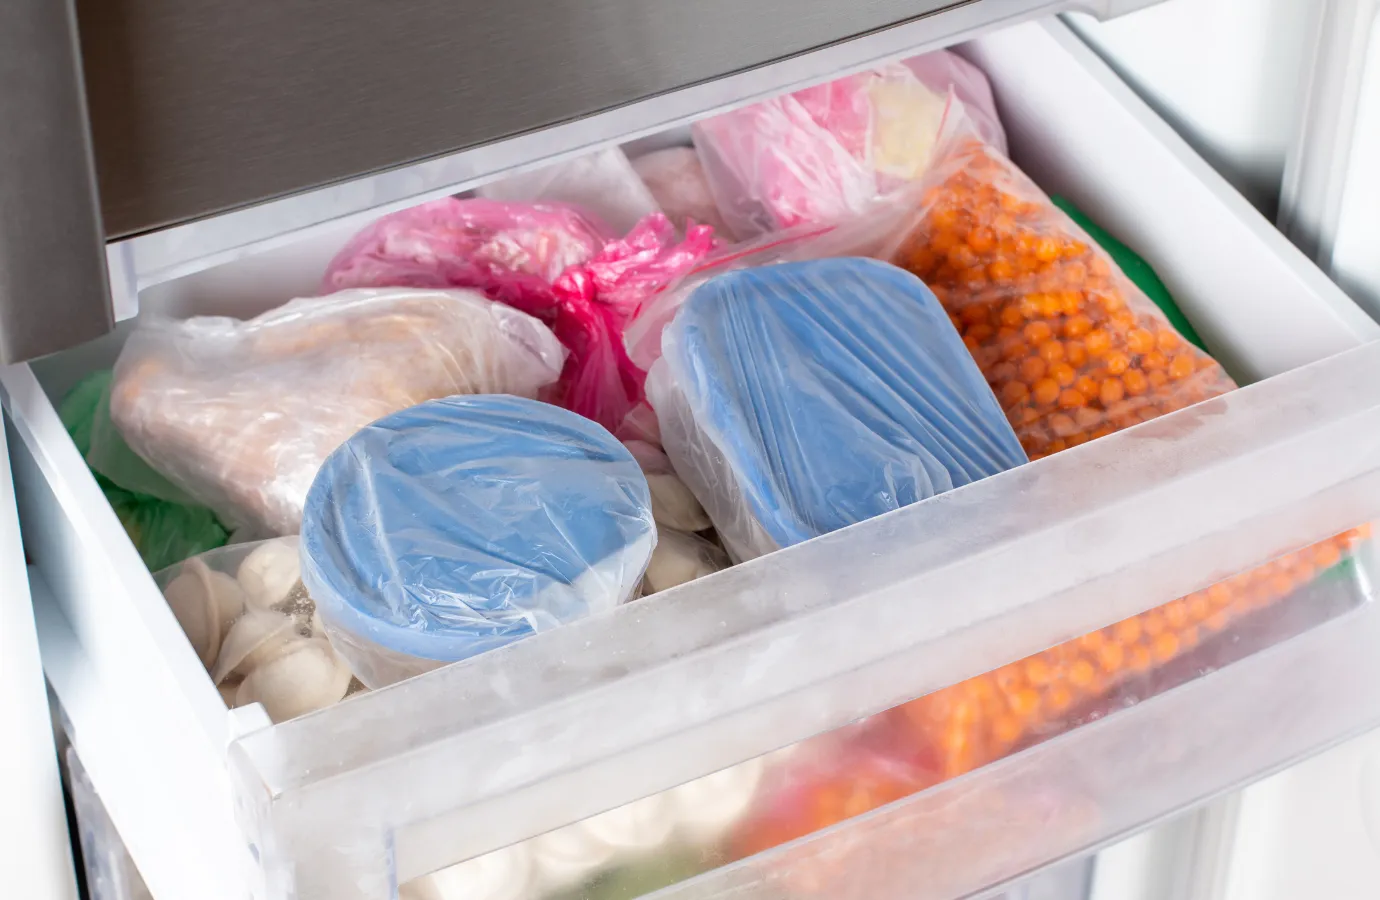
<point x="836" y="390"/>
<point x="462" y="524"/>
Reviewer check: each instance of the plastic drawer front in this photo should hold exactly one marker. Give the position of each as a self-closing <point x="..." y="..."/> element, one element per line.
<point x="351" y="801"/>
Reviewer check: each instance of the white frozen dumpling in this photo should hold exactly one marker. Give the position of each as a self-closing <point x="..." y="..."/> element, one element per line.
<point x="204" y="602"/>
<point x="259" y="637"/>
<point x="269" y="573"/>
<point x="680" y="558"/>
<point x="308" y="677"/>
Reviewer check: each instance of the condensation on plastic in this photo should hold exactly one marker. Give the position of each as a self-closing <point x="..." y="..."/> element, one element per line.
<point x="675" y="176"/>
<point x="798" y="399"/>
<point x="827" y="151"/>
<point x="548" y="260"/>
<point x="248" y="616"/>
<point x="602" y="183"/>
<point x="240" y="414"/>
<point x="464" y="524"/>
<point x="1072" y="348"/>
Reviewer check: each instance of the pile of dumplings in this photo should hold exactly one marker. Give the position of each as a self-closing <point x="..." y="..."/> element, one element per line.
<point x="256" y="630"/>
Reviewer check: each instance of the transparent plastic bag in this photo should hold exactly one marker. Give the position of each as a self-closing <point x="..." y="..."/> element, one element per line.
<point x="827" y="151"/>
<point x="1070" y="346"/>
<point x="798" y="399"/>
<point x="254" y="626"/>
<point x="675" y="176"/>
<point x="164" y="532"/>
<point x="464" y="524"/>
<point x="240" y="414"/>
<point x="602" y="183"/>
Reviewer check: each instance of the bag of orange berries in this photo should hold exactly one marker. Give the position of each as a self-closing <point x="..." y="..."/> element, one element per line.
<point x="1074" y="352"/>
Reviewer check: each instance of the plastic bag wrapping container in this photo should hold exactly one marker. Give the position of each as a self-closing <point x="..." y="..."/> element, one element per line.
<point x="463" y="524"/>
<point x="241" y="414"/>
<point x="876" y="233"/>
<point x="602" y="183"/>
<point x="548" y="260"/>
<point x="675" y="177"/>
<point x="826" y="151"/>
<point x="254" y="626"/>
<point x="798" y="399"/>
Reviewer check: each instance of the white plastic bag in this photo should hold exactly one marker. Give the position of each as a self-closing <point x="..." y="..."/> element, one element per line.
<point x="825" y="152"/>
<point x="602" y="183"/>
<point x="241" y="414"/>
<point x="676" y="178"/>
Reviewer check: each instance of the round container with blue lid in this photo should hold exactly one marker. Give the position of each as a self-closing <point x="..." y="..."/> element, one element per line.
<point x="463" y="524"/>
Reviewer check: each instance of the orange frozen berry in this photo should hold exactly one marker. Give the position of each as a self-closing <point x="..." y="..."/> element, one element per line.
<point x="1076" y="353"/>
<point x="1033" y="368"/>
<point x="1046" y="391"/>
<point x="1140" y="341"/>
<point x="1014" y="392"/>
<point x="1077" y="326"/>
<point x="1136" y="382"/>
<point x="1038" y="332"/>
<point x="1098" y="342"/>
<point x="1062" y="373"/>
<point x="1071" y="399"/>
<point x="1111" y="390"/>
<point x="1052" y="352"/>
<point x="1117" y="363"/>
<point x="1181" y="367"/>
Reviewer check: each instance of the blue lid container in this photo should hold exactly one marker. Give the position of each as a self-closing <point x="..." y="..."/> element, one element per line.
<point x="463" y="524"/>
<point x="821" y="394"/>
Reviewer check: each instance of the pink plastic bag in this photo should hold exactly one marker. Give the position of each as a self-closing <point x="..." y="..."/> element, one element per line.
<point x="824" y="152"/>
<point x="597" y="298"/>
<point x="548" y="260"/>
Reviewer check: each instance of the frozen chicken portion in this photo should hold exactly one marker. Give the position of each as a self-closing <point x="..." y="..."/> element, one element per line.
<point x="241" y="414"/>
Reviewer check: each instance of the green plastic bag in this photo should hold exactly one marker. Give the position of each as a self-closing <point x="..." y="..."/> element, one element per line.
<point x="163" y="531"/>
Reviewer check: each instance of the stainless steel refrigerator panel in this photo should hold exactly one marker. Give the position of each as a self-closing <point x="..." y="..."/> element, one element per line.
<point x="53" y="290"/>
<point x="199" y="106"/>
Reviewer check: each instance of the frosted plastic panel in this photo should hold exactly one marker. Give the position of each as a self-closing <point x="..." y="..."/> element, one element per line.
<point x="351" y="800"/>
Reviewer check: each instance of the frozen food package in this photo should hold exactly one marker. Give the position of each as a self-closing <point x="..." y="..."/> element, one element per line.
<point x="163" y="531"/>
<point x="512" y="252"/>
<point x="595" y="300"/>
<point x="1074" y="351"/>
<point x="241" y="414"/>
<point x="603" y="183"/>
<point x="550" y="261"/>
<point x="800" y="398"/>
<point x="675" y="176"/>
<point x="254" y="626"/>
<point x="826" y="151"/>
<point x="466" y="523"/>
<point x="681" y="557"/>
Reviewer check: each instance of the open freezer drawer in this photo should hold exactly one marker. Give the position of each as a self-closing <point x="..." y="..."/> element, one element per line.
<point x="391" y="785"/>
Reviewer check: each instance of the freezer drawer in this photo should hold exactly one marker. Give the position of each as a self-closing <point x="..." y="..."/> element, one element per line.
<point x="391" y="785"/>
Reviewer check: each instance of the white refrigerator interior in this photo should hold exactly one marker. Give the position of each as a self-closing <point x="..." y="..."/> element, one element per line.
<point x="35" y="853"/>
